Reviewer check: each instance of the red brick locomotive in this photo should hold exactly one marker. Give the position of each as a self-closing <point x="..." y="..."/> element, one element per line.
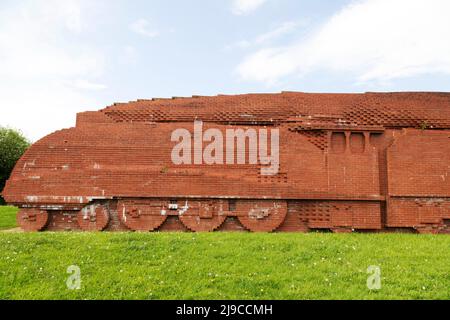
<point x="364" y="162"/>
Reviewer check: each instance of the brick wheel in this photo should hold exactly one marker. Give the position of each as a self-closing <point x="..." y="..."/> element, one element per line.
<point x="94" y="217"/>
<point x="203" y="216"/>
<point x="141" y="216"/>
<point x="263" y="215"/>
<point x="30" y="219"/>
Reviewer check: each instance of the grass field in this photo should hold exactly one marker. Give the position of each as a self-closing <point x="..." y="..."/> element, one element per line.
<point x="7" y="217"/>
<point x="223" y="265"/>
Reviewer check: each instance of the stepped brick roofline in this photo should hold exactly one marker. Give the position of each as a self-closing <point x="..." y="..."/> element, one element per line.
<point x="388" y="110"/>
<point x="443" y="98"/>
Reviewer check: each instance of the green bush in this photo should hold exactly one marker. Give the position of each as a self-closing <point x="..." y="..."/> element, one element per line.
<point x="12" y="145"/>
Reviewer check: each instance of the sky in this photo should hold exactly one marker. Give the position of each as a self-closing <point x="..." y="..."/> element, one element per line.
<point x="60" y="57"/>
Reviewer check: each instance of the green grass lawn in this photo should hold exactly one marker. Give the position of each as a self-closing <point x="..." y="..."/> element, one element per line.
<point x="223" y="265"/>
<point x="7" y="217"/>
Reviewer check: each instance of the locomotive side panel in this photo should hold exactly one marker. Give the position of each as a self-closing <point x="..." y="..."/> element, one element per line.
<point x="419" y="180"/>
<point x="72" y="167"/>
<point x="308" y="215"/>
<point x="353" y="167"/>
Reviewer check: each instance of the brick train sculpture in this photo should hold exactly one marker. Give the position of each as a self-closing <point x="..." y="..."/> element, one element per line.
<point x="347" y="162"/>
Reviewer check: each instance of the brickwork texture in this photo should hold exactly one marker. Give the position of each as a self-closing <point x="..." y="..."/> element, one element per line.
<point x="366" y="162"/>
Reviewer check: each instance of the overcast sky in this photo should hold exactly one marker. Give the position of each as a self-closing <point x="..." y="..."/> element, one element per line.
<point x="59" y="57"/>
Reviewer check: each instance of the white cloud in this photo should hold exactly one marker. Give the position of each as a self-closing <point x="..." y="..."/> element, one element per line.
<point x="374" y="40"/>
<point x="241" y="7"/>
<point x="31" y="38"/>
<point x="268" y="37"/>
<point x="84" y="84"/>
<point x="45" y="70"/>
<point x="142" y="27"/>
<point x="40" y="109"/>
<point x="280" y="30"/>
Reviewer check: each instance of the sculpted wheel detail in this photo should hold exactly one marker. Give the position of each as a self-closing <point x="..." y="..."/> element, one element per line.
<point x="32" y="219"/>
<point x="262" y="216"/>
<point x="202" y="215"/>
<point x="141" y="216"/>
<point x="94" y="217"/>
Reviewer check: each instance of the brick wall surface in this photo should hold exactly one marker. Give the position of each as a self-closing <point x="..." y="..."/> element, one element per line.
<point x="374" y="161"/>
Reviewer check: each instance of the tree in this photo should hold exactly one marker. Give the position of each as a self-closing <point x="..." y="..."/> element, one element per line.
<point x="12" y="145"/>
